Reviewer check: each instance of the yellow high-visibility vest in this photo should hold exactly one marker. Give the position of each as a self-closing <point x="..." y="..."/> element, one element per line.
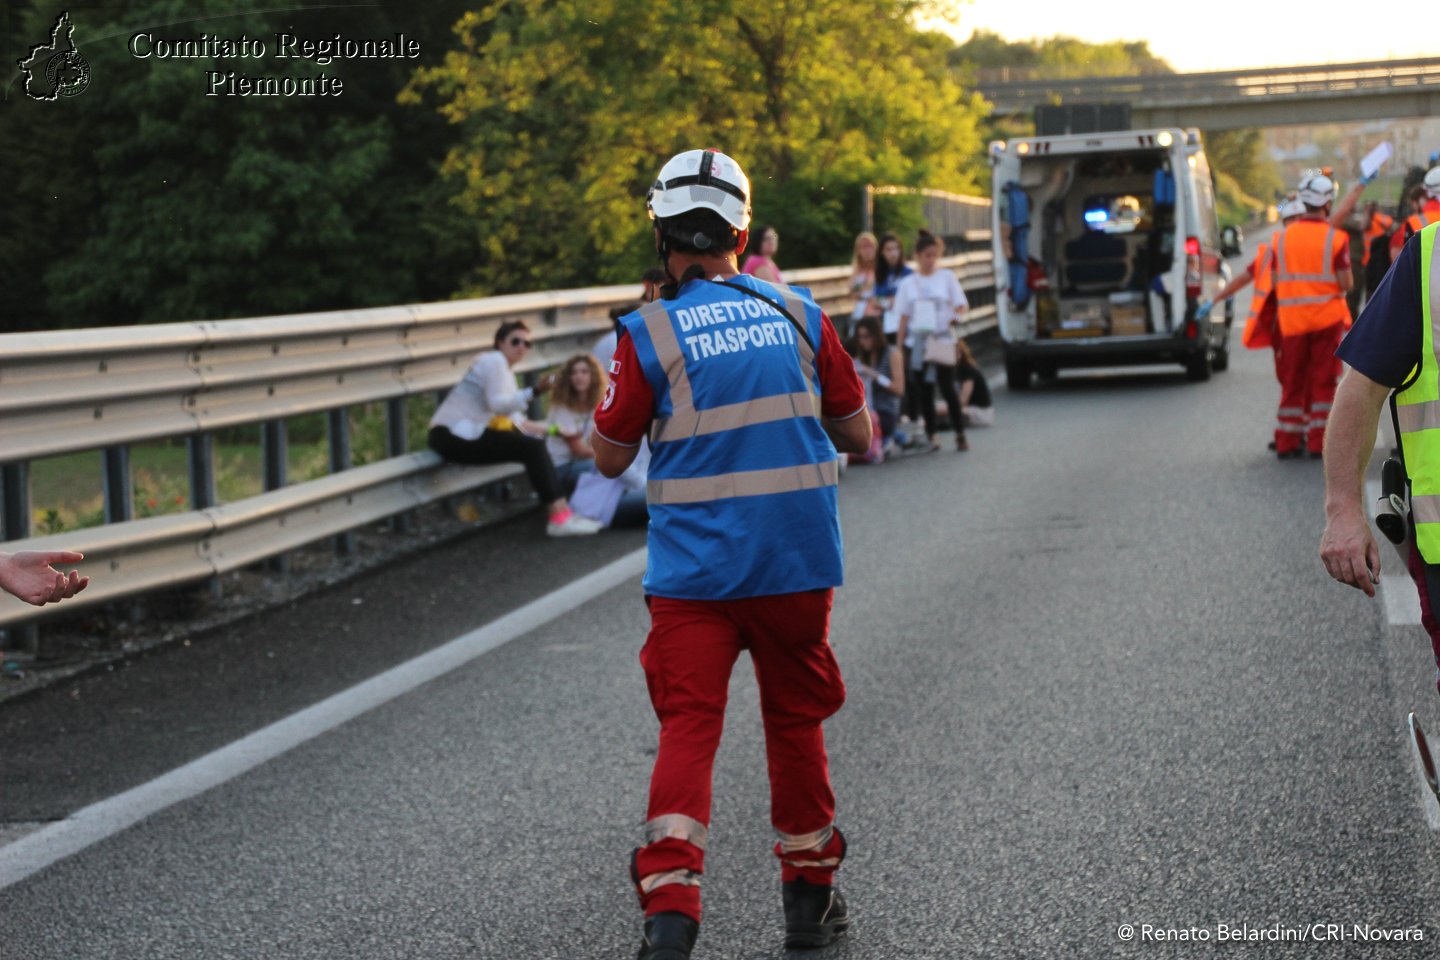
<point x="1417" y="410"/>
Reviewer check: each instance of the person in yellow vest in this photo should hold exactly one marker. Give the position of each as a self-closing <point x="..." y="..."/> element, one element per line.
<point x="1428" y="213"/>
<point x="1392" y="348"/>
<point x="1312" y="273"/>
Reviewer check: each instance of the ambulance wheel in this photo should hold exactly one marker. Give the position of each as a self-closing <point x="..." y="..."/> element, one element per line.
<point x="1198" y="367"/>
<point x="1017" y="375"/>
<point x="1221" y="363"/>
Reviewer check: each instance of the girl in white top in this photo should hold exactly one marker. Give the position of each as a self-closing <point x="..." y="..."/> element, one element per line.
<point x="930" y="304"/>
<point x="482" y="421"/>
<point x="578" y="389"/>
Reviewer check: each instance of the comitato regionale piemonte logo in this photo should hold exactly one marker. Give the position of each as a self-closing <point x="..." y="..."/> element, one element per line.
<point x="56" y="69"/>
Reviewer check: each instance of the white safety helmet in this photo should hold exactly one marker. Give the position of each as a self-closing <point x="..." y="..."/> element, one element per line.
<point x="701" y="179"/>
<point x="1317" y="190"/>
<point x="1432" y="182"/>
<point x="1292" y="207"/>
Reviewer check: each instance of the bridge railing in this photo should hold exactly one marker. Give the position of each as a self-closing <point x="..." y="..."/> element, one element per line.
<point x="104" y="389"/>
<point x="1228" y="84"/>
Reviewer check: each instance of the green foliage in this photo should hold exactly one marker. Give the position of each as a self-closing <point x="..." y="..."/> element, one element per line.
<point x="1241" y="155"/>
<point x="144" y="200"/>
<point x="1059" y="56"/>
<point x="1232" y="203"/>
<point x="569" y="108"/>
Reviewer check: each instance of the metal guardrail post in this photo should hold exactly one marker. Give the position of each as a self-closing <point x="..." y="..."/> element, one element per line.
<point x="15" y="491"/>
<point x="200" y="454"/>
<point x="200" y="451"/>
<point x="274" y="460"/>
<point x="397" y="444"/>
<point x="451" y="504"/>
<point x="15" y="521"/>
<point x="338" y="424"/>
<point x="118" y="486"/>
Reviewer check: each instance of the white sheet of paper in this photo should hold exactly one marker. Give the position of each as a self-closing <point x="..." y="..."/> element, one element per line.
<point x="1375" y="159"/>
<point x="926" y="313"/>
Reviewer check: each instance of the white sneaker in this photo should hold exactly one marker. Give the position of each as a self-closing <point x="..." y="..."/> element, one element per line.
<point x="575" y="526"/>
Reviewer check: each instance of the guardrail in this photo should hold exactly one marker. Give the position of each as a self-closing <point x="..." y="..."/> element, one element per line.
<point x="62" y="392"/>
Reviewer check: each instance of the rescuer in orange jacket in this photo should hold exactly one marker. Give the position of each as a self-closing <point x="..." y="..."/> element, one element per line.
<point x="1312" y="273"/>
<point x="1259" y="329"/>
<point x="1376" y="223"/>
<point x="1429" y="212"/>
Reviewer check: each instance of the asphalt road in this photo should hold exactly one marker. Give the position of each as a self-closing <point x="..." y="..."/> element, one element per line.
<point x="1097" y="676"/>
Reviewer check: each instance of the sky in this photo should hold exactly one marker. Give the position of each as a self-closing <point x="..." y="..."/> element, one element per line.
<point x="1220" y="34"/>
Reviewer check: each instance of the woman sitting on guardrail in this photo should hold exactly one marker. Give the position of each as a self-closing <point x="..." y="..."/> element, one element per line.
<point x="482" y="421"/>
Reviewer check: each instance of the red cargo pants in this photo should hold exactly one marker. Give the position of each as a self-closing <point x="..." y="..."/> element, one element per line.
<point x="688" y="657"/>
<point x="1309" y="372"/>
<point x="1427" y="582"/>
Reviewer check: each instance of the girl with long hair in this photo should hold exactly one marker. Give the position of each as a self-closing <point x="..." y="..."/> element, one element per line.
<point x="890" y="269"/>
<point x="862" y="277"/>
<point x="881" y="370"/>
<point x="579" y="385"/>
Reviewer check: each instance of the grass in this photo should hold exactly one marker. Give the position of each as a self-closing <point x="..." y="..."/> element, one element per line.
<point x="67" y="493"/>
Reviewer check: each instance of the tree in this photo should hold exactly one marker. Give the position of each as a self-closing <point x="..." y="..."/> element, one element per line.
<point x="569" y="108"/>
<point x="145" y="200"/>
<point x="1243" y="156"/>
<point x="1059" y="56"/>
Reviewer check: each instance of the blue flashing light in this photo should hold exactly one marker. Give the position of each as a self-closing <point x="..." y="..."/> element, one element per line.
<point x="1096" y="216"/>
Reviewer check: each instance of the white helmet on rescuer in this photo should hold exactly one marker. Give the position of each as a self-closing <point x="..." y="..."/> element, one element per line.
<point x="1432" y="182"/>
<point x="1317" y="190"/>
<point x="1292" y="207"/>
<point x="701" y="180"/>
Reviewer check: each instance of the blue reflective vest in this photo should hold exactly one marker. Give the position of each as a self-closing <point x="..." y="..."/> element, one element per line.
<point x="742" y="479"/>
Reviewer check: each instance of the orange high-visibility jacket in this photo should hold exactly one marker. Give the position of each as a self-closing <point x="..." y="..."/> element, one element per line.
<point x="1416" y="222"/>
<point x="1308" y="296"/>
<point x="1379" y="223"/>
<point x="1260" y="324"/>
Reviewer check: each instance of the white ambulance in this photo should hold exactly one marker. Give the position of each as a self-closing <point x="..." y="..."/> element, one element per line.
<point x="1105" y="244"/>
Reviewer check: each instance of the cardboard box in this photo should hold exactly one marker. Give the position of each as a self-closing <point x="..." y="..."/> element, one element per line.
<point x="1082" y="318"/>
<point x="1128" y="314"/>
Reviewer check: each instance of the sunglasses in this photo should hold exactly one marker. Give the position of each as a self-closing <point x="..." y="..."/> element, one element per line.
<point x="520" y="342"/>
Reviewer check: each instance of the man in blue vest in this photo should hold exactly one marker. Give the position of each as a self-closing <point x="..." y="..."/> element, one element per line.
<point x="745" y="394"/>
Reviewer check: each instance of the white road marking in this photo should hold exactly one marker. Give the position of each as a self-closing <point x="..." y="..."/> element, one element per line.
<point x="1402" y="603"/>
<point x="55" y="841"/>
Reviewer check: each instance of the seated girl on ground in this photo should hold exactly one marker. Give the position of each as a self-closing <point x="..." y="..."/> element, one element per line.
<point x="578" y="388"/>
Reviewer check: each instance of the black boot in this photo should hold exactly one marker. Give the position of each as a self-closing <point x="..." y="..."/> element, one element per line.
<point x="668" y="936"/>
<point x="815" y="915"/>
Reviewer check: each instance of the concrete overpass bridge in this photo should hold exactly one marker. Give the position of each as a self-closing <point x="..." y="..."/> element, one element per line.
<point x="1233" y="99"/>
